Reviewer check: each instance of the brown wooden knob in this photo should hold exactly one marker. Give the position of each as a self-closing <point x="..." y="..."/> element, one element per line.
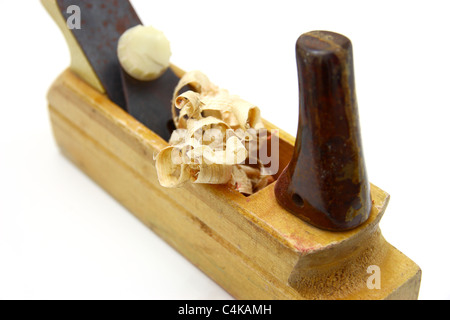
<point x="326" y="182"/>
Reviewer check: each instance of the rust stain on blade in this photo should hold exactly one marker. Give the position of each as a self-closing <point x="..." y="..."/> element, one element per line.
<point x="102" y="24"/>
<point x="150" y="101"/>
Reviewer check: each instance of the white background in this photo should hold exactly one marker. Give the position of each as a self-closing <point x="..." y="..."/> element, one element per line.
<point x="62" y="237"/>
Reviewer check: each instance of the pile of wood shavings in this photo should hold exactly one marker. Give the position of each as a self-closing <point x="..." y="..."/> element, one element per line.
<point x="211" y="143"/>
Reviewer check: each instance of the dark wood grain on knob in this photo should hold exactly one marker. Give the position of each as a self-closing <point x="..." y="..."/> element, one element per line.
<point x="326" y="182"/>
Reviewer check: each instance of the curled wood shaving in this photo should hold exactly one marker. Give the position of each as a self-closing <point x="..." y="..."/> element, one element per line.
<point x="212" y="141"/>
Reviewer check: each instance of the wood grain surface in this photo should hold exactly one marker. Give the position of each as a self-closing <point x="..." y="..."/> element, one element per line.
<point x="251" y="246"/>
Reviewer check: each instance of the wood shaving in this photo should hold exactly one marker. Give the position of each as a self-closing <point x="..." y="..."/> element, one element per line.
<point x="213" y="138"/>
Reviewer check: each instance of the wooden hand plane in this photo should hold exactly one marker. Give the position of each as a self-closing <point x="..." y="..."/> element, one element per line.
<point x="312" y="234"/>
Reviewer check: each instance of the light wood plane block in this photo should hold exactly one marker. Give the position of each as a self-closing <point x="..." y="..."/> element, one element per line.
<point x="251" y="246"/>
